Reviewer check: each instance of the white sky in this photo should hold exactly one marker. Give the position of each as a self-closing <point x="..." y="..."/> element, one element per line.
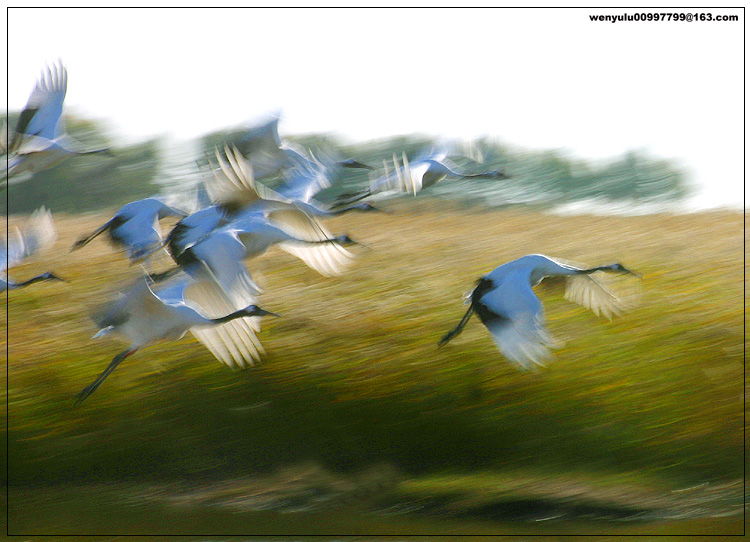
<point x="535" y="78"/>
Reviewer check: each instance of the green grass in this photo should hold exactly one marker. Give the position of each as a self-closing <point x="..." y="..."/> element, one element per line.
<point x="353" y="375"/>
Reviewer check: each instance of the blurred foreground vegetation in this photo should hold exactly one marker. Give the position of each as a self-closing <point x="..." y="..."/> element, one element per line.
<point x="353" y="376"/>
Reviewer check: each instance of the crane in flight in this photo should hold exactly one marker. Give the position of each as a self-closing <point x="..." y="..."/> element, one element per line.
<point x="411" y="177"/>
<point x="39" y="141"/>
<point x="505" y="302"/>
<point x="145" y="316"/>
<point x="38" y="234"/>
<point x="135" y="228"/>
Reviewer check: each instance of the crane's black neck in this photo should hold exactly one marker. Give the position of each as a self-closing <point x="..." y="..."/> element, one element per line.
<point x="232" y="316"/>
<point x="606" y="268"/>
<point x="40" y="278"/>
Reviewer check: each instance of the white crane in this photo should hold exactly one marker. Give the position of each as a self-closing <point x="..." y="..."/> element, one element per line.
<point x="306" y="180"/>
<point x="39" y="141"/>
<point x="207" y="217"/>
<point x="234" y="185"/>
<point x="231" y="190"/>
<point x="413" y="177"/>
<point x="257" y="217"/>
<point x="38" y="234"/>
<point x="271" y="218"/>
<point x="262" y="147"/>
<point x="289" y="229"/>
<point x="195" y="227"/>
<point x="144" y="316"/>
<point x="506" y="304"/>
<point x="218" y="257"/>
<point x="135" y="228"/>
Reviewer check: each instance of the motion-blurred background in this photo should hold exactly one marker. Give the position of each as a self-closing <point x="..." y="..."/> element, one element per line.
<point x="623" y="142"/>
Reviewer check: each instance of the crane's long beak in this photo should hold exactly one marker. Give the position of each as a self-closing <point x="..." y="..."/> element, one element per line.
<point x="637" y="275"/>
<point x="345" y="240"/>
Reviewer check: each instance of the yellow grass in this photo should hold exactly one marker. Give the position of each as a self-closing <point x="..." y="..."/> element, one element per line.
<point x="352" y="370"/>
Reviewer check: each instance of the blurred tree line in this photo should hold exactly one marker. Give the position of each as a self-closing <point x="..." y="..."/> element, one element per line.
<point x="89" y="182"/>
<point x="538" y="177"/>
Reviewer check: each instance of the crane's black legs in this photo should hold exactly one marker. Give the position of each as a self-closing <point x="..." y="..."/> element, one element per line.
<point x="85" y="240"/>
<point x="484" y="285"/>
<point x="459" y="328"/>
<point x="91" y="388"/>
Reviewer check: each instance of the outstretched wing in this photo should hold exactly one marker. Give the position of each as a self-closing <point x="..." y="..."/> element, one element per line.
<point x="328" y="258"/>
<point x="233" y="183"/>
<point x="135" y="301"/>
<point x="219" y="258"/>
<point x="514" y="316"/>
<point x="38" y="234"/>
<point x="405" y="178"/>
<point x="261" y="146"/>
<point x="233" y="343"/>
<point x="304" y="181"/>
<point x="41" y="116"/>
<point x="603" y="294"/>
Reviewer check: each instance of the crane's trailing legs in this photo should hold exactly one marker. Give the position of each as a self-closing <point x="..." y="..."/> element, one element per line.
<point x="483" y="286"/>
<point x="459" y="328"/>
<point x="91" y="388"/>
<point x="83" y="241"/>
<point x="113" y="323"/>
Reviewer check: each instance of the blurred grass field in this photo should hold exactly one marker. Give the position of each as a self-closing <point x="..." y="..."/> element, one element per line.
<point x="353" y="376"/>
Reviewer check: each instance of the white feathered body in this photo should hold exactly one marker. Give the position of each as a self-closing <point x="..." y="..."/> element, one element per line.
<point x="506" y="303"/>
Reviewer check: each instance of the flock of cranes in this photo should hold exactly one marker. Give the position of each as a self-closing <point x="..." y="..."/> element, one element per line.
<point x="210" y="291"/>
